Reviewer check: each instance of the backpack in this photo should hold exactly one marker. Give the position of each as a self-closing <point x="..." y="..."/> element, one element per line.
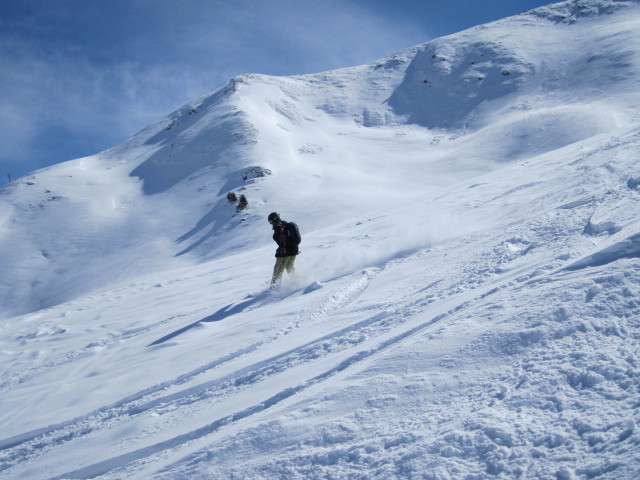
<point x="292" y="233"/>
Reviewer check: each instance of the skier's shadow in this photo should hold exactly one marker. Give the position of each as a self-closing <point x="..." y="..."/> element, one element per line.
<point x="221" y="314"/>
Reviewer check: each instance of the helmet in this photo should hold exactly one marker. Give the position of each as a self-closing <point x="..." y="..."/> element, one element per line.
<point x="273" y="217"/>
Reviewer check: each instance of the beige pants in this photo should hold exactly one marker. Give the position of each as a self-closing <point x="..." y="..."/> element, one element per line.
<point x="282" y="264"/>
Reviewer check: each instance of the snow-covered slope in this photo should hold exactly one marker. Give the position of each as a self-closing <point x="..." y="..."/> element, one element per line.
<point x="465" y="304"/>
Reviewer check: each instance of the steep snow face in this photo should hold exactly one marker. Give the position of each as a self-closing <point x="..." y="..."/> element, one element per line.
<point x="528" y="63"/>
<point x="212" y="133"/>
<point x="451" y="77"/>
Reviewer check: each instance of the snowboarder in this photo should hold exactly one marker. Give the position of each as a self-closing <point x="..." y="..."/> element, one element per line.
<point x="287" y="236"/>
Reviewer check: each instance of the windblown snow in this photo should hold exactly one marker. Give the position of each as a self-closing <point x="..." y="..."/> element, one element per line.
<point x="466" y="304"/>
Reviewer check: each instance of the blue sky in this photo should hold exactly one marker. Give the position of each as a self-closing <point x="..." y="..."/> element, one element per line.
<point x="80" y="76"/>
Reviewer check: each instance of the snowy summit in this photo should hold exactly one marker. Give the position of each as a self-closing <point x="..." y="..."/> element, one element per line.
<point x="465" y="305"/>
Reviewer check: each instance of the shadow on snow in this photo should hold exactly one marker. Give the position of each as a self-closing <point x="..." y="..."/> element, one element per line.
<point x="224" y="312"/>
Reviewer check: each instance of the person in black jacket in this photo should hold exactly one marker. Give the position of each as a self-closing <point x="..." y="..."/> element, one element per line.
<point x="287" y="248"/>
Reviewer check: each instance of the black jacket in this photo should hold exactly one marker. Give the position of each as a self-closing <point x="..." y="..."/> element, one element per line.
<point x="286" y="248"/>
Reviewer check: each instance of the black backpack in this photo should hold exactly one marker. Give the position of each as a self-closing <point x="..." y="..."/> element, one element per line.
<point x="292" y="233"/>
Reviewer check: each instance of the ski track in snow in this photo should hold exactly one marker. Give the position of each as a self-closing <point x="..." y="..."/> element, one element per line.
<point x="348" y="347"/>
<point x="23" y="447"/>
<point x="336" y="301"/>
